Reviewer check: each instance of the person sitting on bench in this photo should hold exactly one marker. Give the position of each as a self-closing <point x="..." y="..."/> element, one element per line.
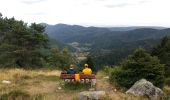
<point x="71" y="70"/>
<point x="87" y="70"/>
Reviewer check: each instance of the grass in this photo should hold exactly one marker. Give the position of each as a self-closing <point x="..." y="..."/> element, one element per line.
<point x="76" y="86"/>
<point x="28" y="83"/>
<point x="44" y="85"/>
<point x="15" y="95"/>
<point x="48" y="78"/>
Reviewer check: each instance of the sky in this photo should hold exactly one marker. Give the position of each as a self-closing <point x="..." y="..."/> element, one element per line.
<point x="90" y="12"/>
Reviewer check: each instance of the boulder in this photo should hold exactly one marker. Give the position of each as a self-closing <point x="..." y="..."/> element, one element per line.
<point x="146" y="88"/>
<point x="91" y="95"/>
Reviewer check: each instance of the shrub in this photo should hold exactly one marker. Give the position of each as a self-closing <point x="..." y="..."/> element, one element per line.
<point x="137" y="66"/>
<point x="108" y="70"/>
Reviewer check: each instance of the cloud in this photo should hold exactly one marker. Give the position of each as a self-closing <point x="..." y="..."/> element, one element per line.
<point x="118" y="5"/>
<point x="36" y="13"/>
<point x="143" y="1"/>
<point x="125" y="4"/>
<point x="32" y="1"/>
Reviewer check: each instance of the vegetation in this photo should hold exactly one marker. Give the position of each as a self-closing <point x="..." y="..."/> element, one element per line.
<point x="137" y="66"/>
<point x="162" y="51"/>
<point x="28" y="46"/>
<point x="76" y="86"/>
<point x="13" y="95"/>
<point x="60" y="59"/>
<point x="108" y="46"/>
<point x="28" y="84"/>
<point x="43" y="84"/>
<point x="20" y="44"/>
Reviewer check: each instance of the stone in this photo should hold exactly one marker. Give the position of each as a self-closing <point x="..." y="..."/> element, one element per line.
<point x="115" y="90"/>
<point x="6" y="82"/>
<point x="106" y="77"/>
<point x="91" y="89"/>
<point x="91" y="95"/>
<point x="146" y="88"/>
<point x="59" y="88"/>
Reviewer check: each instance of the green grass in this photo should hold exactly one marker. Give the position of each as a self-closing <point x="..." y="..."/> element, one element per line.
<point x="76" y="86"/>
<point x="15" y="95"/>
<point x="21" y="95"/>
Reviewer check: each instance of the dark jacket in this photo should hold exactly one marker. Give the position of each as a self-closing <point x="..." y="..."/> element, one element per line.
<point x="71" y="71"/>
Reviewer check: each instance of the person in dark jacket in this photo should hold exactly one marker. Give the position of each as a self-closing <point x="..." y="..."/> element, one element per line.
<point x="71" y="70"/>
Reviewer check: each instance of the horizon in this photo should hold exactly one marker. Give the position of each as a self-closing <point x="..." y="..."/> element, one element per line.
<point x="104" y="26"/>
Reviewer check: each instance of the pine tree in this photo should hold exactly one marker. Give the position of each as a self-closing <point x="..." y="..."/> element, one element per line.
<point x="162" y="51"/>
<point x="140" y="65"/>
<point x="20" y="44"/>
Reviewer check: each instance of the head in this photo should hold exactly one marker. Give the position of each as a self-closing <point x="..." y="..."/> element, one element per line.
<point x="71" y="66"/>
<point x="86" y="65"/>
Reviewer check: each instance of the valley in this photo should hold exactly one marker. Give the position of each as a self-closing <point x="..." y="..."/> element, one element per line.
<point x="106" y="45"/>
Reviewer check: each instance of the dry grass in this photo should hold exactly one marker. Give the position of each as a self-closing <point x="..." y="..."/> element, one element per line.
<point x="43" y="85"/>
<point x="12" y="74"/>
<point x="36" y="83"/>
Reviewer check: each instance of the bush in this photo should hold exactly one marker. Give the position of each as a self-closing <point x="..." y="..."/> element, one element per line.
<point x="108" y="70"/>
<point x="137" y="66"/>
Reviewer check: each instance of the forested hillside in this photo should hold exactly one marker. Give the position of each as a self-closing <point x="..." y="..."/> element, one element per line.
<point x="107" y="46"/>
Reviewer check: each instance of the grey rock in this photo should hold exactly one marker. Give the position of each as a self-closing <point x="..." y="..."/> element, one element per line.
<point x="91" y="95"/>
<point x="146" y="88"/>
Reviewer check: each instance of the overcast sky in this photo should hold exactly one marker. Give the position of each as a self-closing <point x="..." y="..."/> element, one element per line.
<point x="90" y="12"/>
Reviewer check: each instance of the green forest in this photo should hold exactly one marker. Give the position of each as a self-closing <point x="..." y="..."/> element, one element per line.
<point x="28" y="46"/>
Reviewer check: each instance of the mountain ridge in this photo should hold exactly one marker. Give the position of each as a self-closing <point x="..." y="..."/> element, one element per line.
<point x="102" y="41"/>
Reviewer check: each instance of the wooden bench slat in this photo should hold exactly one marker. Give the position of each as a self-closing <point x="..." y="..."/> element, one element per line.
<point x="82" y="76"/>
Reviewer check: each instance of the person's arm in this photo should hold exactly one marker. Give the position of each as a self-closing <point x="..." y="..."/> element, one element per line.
<point x="68" y="71"/>
<point x="83" y="71"/>
<point x="90" y="71"/>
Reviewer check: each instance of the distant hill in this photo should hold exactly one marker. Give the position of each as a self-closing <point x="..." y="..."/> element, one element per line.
<point x="133" y="28"/>
<point x="103" y="37"/>
<point x="108" y="44"/>
<point x="71" y="33"/>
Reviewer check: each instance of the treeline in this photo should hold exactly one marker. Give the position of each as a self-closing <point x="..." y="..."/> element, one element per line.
<point x="152" y="65"/>
<point x="28" y="46"/>
<point x="114" y="54"/>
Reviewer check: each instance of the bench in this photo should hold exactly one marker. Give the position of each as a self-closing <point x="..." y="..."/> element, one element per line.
<point x="83" y="78"/>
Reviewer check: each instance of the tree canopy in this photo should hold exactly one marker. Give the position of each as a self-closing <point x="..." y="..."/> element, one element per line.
<point x="162" y="51"/>
<point x="137" y="66"/>
<point x="20" y="44"/>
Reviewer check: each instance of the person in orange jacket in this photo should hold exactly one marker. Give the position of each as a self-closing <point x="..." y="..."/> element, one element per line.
<point x="87" y="70"/>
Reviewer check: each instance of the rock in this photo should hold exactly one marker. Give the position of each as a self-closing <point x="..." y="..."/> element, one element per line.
<point x="6" y="82"/>
<point x="93" y="82"/>
<point x="92" y="89"/>
<point x="146" y="88"/>
<point x="115" y="90"/>
<point x="59" y="88"/>
<point x="91" y="95"/>
<point x="106" y="77"/>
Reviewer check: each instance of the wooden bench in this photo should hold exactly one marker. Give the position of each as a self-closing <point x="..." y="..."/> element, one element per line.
<point x="83" y="78"/>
